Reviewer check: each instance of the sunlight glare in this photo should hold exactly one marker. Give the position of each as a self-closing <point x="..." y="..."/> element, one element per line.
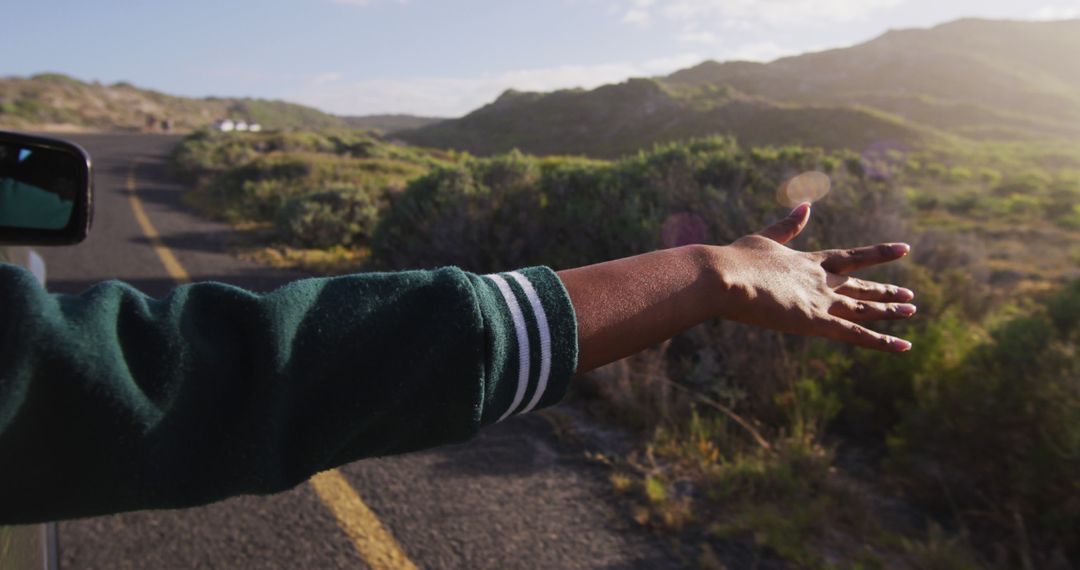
<point x="806" y="187"/>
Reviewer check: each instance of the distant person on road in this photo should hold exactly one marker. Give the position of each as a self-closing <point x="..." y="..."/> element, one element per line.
<point x="113" y="401"/>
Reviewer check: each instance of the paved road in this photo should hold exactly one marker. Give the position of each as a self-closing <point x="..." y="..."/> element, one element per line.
<point x="513" y="498"/>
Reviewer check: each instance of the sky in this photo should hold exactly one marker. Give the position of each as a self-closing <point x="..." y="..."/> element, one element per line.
<point x="440" y="57"/>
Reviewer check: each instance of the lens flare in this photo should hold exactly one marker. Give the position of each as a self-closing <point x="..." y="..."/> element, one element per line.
<point x="684" y="228"/>
<point x="806" y="187"/>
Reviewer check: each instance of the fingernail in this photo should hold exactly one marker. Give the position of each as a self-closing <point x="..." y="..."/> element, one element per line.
<point x="905" y="294"/>
<point x="900" y="248"/>
<point x="902" y="344"/>
<point x="801" y="209"/>
<point x="906" y="309"/>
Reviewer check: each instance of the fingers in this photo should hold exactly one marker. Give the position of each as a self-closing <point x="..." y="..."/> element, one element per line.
<point x="858" y="335"/>
<point x="846" y="260"/>
<point x="854" y="310"/>
<point x="786" y="229"/>
<point x="871" y="291"/>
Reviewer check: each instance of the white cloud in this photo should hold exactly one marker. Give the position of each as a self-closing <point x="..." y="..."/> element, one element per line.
<point x="1056" y="12"/>
<point x="697" y="37"/>
<point x="328" y="77"/>
<point x="757" y="51"/>
<point x="638" y="17"/>
<point x="455" y="96"/>
<point x="777" y="13"/>
<point x="364" y="2"/>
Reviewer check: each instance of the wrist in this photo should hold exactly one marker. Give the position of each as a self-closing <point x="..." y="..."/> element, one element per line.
<point x="715" y="261"/>
<point x="710" y="280"/>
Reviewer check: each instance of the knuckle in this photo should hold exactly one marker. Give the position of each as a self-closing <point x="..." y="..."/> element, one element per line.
<point x="883" y="249"/>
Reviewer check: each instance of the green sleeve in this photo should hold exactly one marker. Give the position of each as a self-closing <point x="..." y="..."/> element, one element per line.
<point x="113" y="401"/>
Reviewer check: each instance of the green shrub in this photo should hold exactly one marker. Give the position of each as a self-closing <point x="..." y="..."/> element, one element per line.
<point x="258" y="189"/>
<point x="989" y="176"/>
<point x="1069" y="218"/>
<point x="337" y="217"/>
<point x="204" y="152"/>
<point x="512" y="210"/>
<point x="936" y="170"/>
<point x="924" y="201"/>
<point x="959" y="175"/>
<point x="1023" y="205"/>
<point x="963" y="203"/>
<point x="1030" y="183"/>
<point x="993" y="441"/>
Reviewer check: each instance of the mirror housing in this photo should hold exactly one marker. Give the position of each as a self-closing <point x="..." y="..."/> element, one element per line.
<point x="41" y="181"/>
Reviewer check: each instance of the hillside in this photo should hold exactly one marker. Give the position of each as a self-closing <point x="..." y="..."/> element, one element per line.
<point x="979" y="79"/>
<point x="389" y="123"/>
<point x="620" y="119"/>
<point x="57" y="101"/>
<point x="963" y="73"/>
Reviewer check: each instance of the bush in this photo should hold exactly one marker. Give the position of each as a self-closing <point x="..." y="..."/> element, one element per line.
<point x="258" y="189"/>
<point x="996" y="436"/>
<point x="337" y="217"/>
<point x="203" y="153"/>
<point x="513" y="210"/>
<point x="1030" y="183"/>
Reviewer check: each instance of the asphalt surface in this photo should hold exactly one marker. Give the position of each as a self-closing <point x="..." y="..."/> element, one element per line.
<point x="515" y="497"/>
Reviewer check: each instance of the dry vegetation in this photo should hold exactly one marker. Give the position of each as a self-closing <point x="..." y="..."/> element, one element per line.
<point x="52" y="101"/>
<point x="963" y="453"/>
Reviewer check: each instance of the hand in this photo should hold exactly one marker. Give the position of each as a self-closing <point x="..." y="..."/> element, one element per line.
<point x="767" y="284"/>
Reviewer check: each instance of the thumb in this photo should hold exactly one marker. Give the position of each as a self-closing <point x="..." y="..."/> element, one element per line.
<point x="786" y="229"/>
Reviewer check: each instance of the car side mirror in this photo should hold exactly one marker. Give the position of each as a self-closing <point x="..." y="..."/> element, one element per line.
<point x="46" y="191"/>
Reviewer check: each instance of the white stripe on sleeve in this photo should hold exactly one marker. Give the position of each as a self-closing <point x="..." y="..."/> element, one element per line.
<point x="522" y="341"/>
<point x="545" y="337"/>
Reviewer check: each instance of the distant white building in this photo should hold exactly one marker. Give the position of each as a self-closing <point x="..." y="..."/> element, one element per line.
<point x="229" y="125"/>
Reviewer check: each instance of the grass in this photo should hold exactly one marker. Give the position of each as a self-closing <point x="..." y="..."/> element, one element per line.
<point x="791" y="503"/>
<point x="334" y="261"/>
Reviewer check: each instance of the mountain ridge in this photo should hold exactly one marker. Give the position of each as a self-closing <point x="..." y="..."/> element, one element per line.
<point x="59" y="102"/>
<point x="969" y="78"/>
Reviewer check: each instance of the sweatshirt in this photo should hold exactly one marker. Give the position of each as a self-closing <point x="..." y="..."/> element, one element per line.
<point x="113" y="401"/>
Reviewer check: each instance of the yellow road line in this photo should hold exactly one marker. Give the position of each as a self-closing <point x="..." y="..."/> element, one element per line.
<point x="372" y="541"/>
<point x="172" y="265"/>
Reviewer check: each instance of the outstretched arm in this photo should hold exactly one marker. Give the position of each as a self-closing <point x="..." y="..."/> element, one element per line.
<point x="629" y="304"/>
<point x="215" y="391"/>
